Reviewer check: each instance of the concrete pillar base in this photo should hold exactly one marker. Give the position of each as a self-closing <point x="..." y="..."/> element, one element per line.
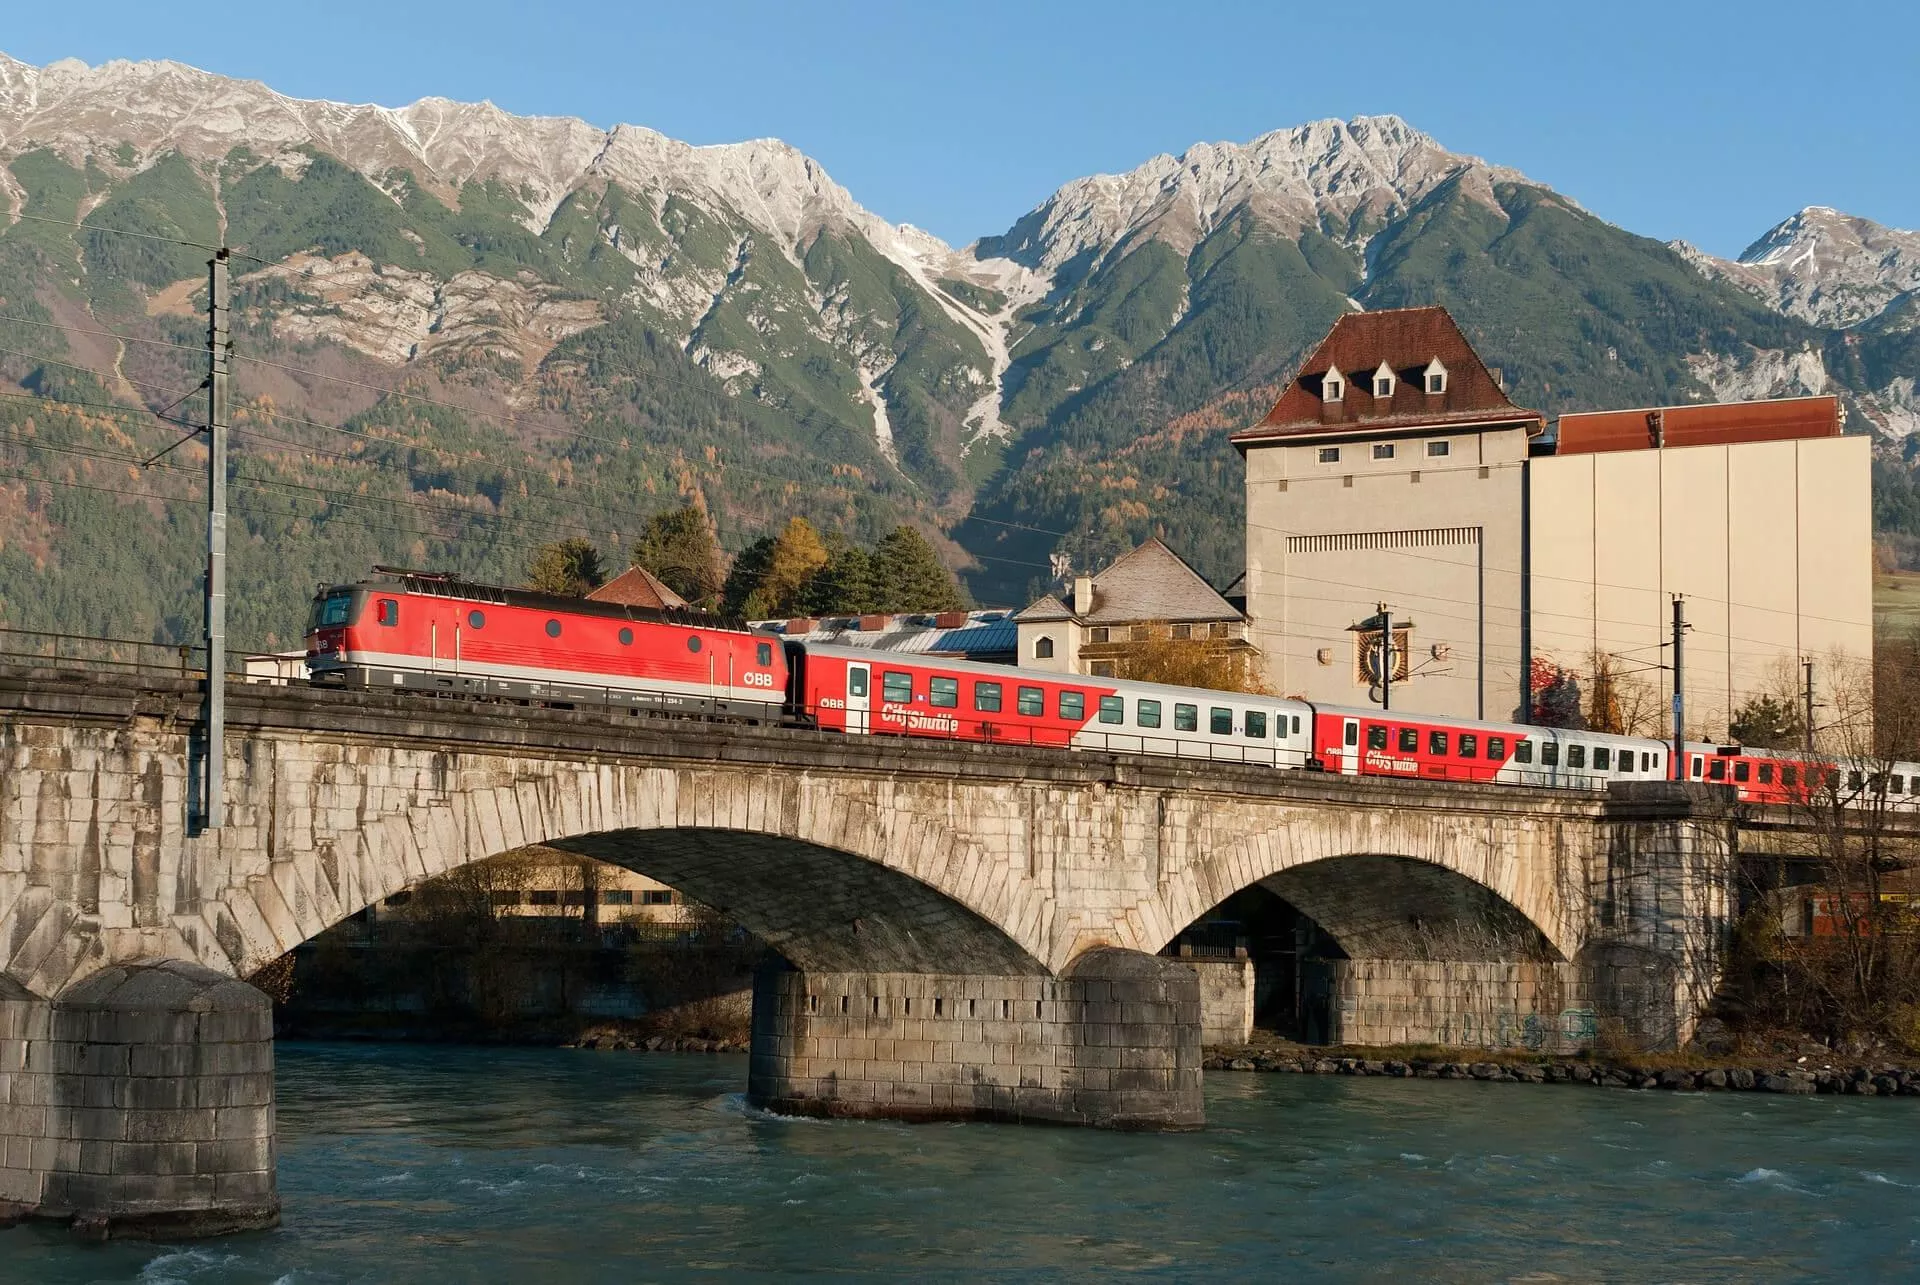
<point x="139" y="1103"/>
<point x="1114" y="1042"/>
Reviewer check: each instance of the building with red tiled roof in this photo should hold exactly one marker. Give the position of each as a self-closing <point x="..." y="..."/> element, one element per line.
<point x="638" y="587"/>
<point x="1394" y="471"/>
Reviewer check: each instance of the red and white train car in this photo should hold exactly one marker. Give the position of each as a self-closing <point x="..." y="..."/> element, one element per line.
<point x="1428" y="747"/>
<point x="417" y="632"/>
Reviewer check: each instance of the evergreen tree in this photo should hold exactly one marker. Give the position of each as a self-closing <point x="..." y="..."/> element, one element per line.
<point x="909" y="576"/>
<point x="1768" y="722"/>
<point x="845" y="585"/>
<point x="744" y="576"/>
<point x="797" y="554"/>
<point x="571" y="567"/>
<point x="678" y="546"/>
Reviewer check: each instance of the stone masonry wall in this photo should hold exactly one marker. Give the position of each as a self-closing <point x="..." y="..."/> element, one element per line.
<point x="1226" y="999"/>
<point x="1461" y="1004"/>
<point x="1113" y="1043"/>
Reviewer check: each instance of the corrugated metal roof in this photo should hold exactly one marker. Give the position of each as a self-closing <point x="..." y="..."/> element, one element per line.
<point x="986" y="633"/>
<point x="1700" y="424"/>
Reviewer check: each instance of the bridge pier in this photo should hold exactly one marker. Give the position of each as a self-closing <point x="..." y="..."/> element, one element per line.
<point x="1113" y="1042"/>
<point x="139" y="1102"/>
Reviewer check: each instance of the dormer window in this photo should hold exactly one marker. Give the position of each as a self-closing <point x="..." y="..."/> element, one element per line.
<point x="1435" y="377"/>
<point x="1332" y="386"/>
<point x="1383" y="381"/>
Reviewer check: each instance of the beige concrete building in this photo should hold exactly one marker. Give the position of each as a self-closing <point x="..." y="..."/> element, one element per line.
<point x="1394" y="471"/>
<point x="1150" y="591"/>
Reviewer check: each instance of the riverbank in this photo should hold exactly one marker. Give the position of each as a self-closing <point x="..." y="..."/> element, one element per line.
<point x="1677" y="1072"/>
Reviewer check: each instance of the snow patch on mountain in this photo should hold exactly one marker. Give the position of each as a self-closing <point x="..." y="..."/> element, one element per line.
<point x="1823" y="266"/>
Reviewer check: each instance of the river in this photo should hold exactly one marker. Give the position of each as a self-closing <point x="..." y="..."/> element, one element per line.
<point x="412" y="1163"/>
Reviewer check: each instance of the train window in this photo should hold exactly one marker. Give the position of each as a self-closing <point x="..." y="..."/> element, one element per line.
<point x="1766" y="774"/>
<point x="1469" y="745"/>
<point x="943" y="692"/>
<point x="1789" y="774"/>
<point x="1032" y="702"/>
<point x="1296" y="725"/>
<point x="986" y="698"/>
<point x="1436" y="742"/>
<point x="1220" y="721"/>
<point x="763" y="653"/>
<point x="553" y="629"/>
<point x="1717" y="770"/>
<point x="1353" y="732"/>
<point x="1696" y="767"/>
<point x="1855" y="781"/>
<point x="1913" y="783"/>
<point x="1549" y="754"/>
<point x="1742" y="770"/>
<point x="1257" y="724"/>
<point x="1147" y="713"/>
<point x="1409" y="740"/>
<point x="693" y="640"/>
<point x="1376" y="736"/>
<point x="387" y="611"/>
<point x="626" y="637"/>
<point x="477" y="619"/>
<point x="1602" y="759"/>
<point x="856" y="681"/>
<point x="333" y="610"/>
<point x="1186" y="718"/>
<point x="1646" y="761"/>
<point x="1497" y="748"/>
<point x="1576" y="756"/>
<point x="1523" y="750"/>
<point x="896" y="687"/>
<point x="1113" y="710"/>
<point x="1073" y="706"/>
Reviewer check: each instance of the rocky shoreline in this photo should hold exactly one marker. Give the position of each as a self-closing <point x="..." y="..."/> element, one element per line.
<point x="658" y="1044"/>
<point x="1863" y="1081"/>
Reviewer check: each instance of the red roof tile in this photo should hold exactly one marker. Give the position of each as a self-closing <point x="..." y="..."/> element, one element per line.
<point x="1406" y="339"/>
<point x="638" y="587"/>
<point x="1709" y="424"/>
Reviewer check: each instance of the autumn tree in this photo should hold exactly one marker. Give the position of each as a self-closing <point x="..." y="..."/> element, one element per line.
<point x="909" y="576"/>
<point x="790" y="561"/>
<point x="679" y="547"/>
<point x="570" y="567"/>
<point x="845" y="586"/>
<point x="1214" y="663"/>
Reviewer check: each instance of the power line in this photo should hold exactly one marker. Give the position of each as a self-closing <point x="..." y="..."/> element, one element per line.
<point x="106" y="334"/>
<point x="144" y="236"/>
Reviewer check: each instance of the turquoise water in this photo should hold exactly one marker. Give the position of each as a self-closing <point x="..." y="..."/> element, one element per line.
<point x="455" y="1164"/>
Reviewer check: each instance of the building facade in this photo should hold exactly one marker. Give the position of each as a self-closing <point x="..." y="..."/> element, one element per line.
<point x="1395" y="482"/>
<point x="1149" y="592"/>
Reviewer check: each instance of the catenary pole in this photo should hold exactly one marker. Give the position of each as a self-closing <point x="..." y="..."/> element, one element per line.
<point x="1679" y="689"/>
<point x="1386" y="657"/>
<point x="1806" y="666"/>
<point x="219" y="341"/>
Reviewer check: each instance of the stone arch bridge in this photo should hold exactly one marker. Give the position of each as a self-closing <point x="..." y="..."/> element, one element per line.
<point x="964" y="930"/>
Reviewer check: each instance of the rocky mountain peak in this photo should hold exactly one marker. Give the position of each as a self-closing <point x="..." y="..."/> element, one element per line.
<point x="1825" y="266"/>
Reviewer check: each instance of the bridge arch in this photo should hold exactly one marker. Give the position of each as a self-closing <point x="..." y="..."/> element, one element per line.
<point x="821" y="866"/>
<point x="1397" y="884"/>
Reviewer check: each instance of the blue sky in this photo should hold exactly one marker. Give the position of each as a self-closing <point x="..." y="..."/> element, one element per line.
<point x="1708" y="122"/>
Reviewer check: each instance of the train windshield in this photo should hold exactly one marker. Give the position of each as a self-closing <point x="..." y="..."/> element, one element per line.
<point x="334" y="608"/>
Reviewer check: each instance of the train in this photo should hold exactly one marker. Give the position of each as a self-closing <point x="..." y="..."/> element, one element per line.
<point x="415" y="631"/>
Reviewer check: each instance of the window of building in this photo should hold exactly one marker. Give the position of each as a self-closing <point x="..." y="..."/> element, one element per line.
<point x="1376" y="736"/>
<point x="387" y="611"/>
<point x="617" y="897"/>
<point x="1497" y="749"/>
<point x="1549" y="754"/>
<point x="1256" y="725"/>
<point x="1043" y="648"/>
<point x="763" y="653"/>
<point x="1183" y="633"/>
<point x="1101" y="669"/>
<point x="1031" y="701"/>
<point x="856" y="681"/>
<point x="544" y="897"/>
<point x="896" y="687"/>
<point x="575" y="897"/>
<point x="1434" y="377"/>
<point x="1097" y="634"/>
<point x="1073" y="706"/>
<point x="1436" y="742"/>
<point x="1186" y="718"/>
<point x="943" y="693"/>
<point x="1602" y="759"/>
<point x="656" y="897"/>
<point x="1439" y="450"/>
<point x="1383" y="381"/>
<point x="1220" y="721"/>
<point x="1469" y="745"/>
<point x="504" y="897"/>
<point x="1147" y="713"/>
<point x="1523" y="751"/>
<point x="1409" y="740"/>
<point x="1113" y="710"/>
<point x="986" y="697"/>
<point x="1332" y="386"/>
<point x="1329" y="454"/>
<point x="1142" y="633"/>
<point x="1383" y="450"/>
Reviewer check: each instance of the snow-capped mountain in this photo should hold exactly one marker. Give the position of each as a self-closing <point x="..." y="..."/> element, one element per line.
<point x="1826" y="267"/>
